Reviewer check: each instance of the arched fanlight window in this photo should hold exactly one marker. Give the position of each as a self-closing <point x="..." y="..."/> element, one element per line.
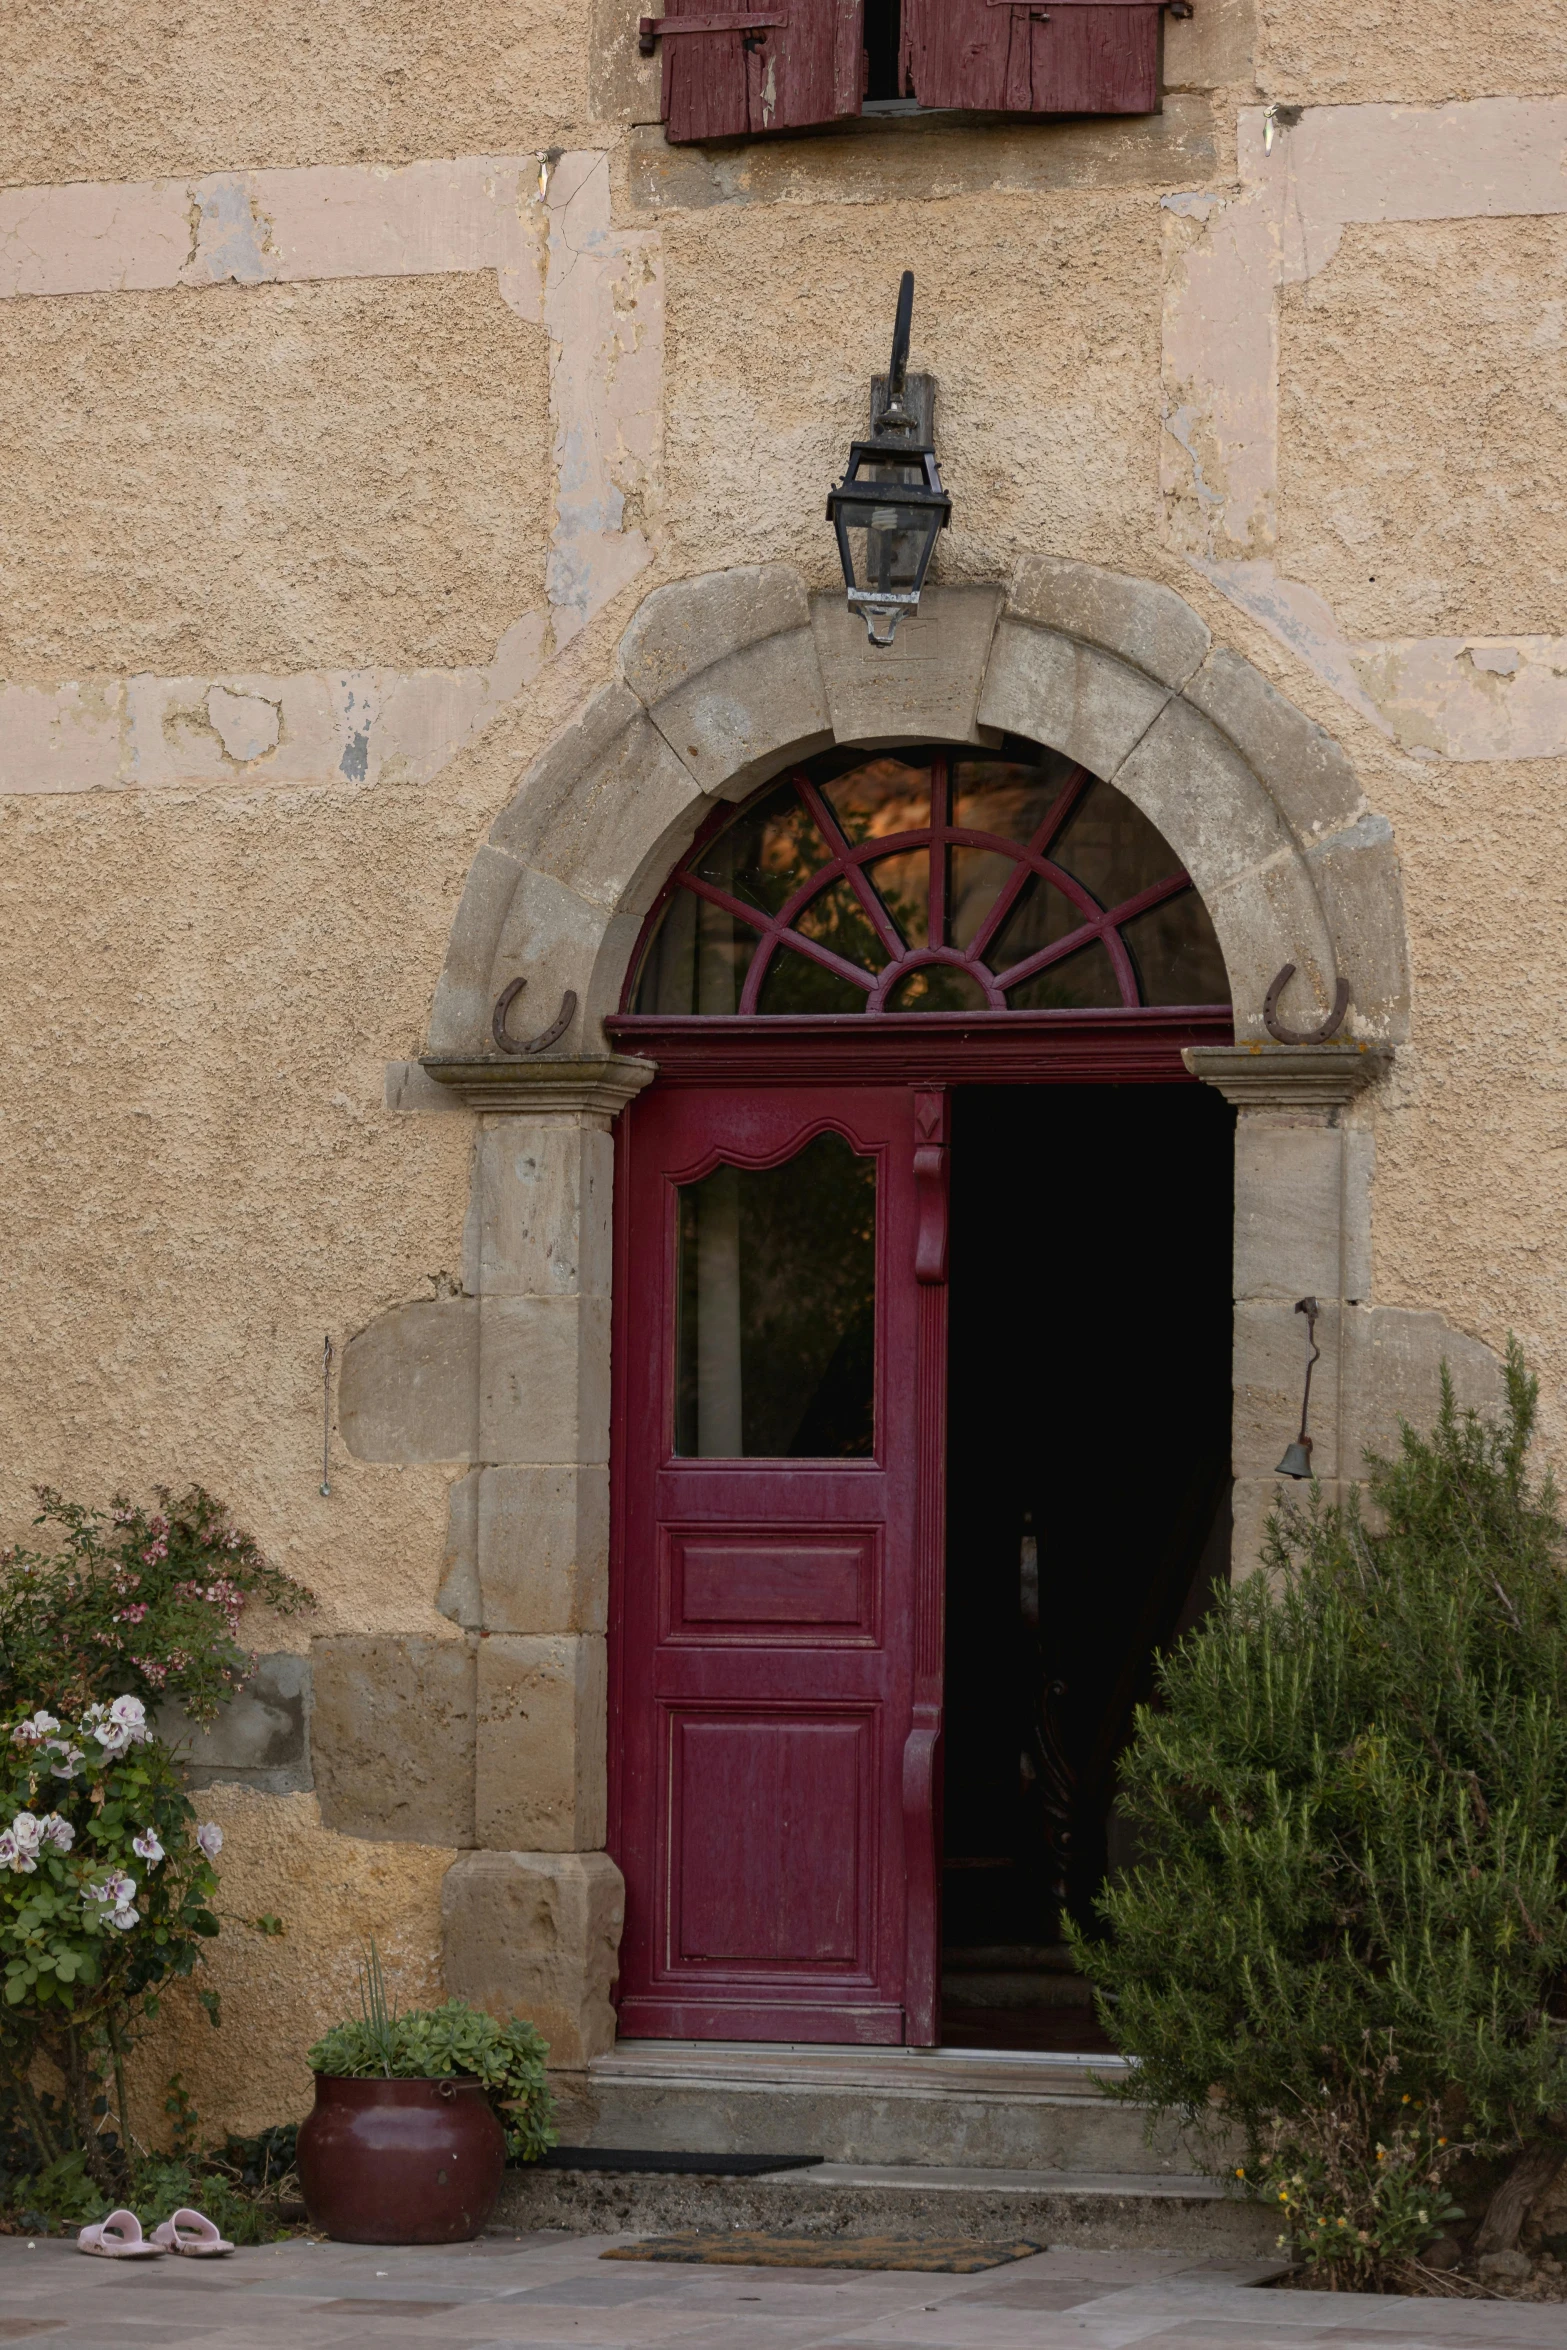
<point x="931" y="881"/>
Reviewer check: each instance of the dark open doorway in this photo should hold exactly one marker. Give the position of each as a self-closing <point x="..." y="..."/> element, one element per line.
<point x="1088" y="1503"/>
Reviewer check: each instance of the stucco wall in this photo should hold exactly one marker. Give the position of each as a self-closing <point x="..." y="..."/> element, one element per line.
<point x="318" y="522"/>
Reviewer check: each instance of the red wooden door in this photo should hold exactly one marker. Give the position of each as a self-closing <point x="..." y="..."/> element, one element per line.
<point x="776" y="1635"/>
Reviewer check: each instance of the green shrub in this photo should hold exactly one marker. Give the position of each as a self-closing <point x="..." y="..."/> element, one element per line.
<point x="433" y="2043"/>
<point x="1350" y="1799"/>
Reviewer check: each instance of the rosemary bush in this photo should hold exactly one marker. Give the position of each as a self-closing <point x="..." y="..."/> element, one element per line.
<point x="1350" y="1800"/>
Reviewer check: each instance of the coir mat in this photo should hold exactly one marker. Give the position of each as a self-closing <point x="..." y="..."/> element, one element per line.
<point x="956" y="2256"/>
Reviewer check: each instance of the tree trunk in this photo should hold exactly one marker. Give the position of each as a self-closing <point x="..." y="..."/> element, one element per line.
<point x="1532" y="2172"/>
<point x="80" y="2083"/>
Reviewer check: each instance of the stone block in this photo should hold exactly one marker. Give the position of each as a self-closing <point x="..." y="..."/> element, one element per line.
<point x="1265" y="918"/>
<point x="599" y="802"/>
<point x="1357" y="877"/>
<point x="734" y="724"/>
<point x="925" y="685"/>
<point x="543" y="1549"/>
<point x="392" y="1735"/>
<point x="539" y="1210"/>
<point x="1306" y="772"/>
<point x="1070" y="695"/>
<point x="408" y="1388"/>
<point x="1152" y="627"/>
<point x="683" y="629"/>
<point x="1291" y="1204"/>
<point x="261" y="1739"/>
<point x="464" y="993"/>
<point x="552" y="939"/>
<point x="544" y="1379"/>
<point x="1393" y="1372"/>
<point x="1251" y="1501"/>
<point x="459" y="1597"/>
<point x="1190" y="781"/>
<point x="542" y="1742"/>
<point x="1270" y="1373"/>
<point x="537" y="1934"/>
<point x="1212" y="49"/>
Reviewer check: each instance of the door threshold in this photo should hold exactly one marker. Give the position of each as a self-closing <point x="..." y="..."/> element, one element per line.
<point x="802" y="2058"/>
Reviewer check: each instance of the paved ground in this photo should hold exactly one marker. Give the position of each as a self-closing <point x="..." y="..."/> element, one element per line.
<point x="554" y="2291"/>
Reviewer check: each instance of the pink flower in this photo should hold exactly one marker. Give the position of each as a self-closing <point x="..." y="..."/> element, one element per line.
<point x="210" y="1837"/>
<point x="148" y="1846"/>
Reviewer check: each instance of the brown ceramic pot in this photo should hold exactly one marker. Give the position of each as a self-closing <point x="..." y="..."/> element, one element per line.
<point x="400" y="2162"/>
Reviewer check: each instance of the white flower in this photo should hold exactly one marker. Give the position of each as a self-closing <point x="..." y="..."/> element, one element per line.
<point x="7" y="1849"/>
<point x="29" y="1833"/>
<point x="147" y="1845"/>
<point x="58" y="1831"/>
<point x="124" y="1918"/>
<point x="129" y="1711"/>
<point x="67" y="1758"/>
<point x="113" y="1737"/>
<point x="113" y="1892"/>
<point x="29" y="1733"/>
<point x="210" y="1837"/>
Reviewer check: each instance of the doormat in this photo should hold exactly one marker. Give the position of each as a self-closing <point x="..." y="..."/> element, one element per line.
<point x="710" y="2166"/>
<point x="956" y="2256"/>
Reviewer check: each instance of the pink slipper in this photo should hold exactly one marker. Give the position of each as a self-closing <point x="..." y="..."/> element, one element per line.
<point x="119" y="2237"/>
<point x="193" y="2234"/>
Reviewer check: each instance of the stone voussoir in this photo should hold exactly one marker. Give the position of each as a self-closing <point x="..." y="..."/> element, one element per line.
<point x="1306" y="772"/>
<point x="1056" y="690"/>
<point x="1148" y="625"/>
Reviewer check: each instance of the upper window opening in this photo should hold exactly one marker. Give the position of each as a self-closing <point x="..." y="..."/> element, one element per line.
<point x="931" y="881"/>
<point x="808" y="62"/>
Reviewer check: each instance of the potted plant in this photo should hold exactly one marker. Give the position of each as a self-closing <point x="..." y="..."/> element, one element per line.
<point x="415" y="2116"/>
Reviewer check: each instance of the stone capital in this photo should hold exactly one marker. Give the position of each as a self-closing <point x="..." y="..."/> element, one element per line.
<point x="522" y="1088"/>
<point x="1289" y="1076"/>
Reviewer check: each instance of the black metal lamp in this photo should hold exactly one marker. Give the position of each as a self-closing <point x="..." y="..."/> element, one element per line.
<point x="890" y="506"/>
<point x="1297" y="1456"/>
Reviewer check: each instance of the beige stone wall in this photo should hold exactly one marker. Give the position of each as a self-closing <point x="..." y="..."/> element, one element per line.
<point x="325" y="501"/>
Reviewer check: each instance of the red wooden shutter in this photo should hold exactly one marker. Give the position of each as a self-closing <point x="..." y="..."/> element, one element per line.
<point x="806" y="65"/>
<point x="1051" y="57"/>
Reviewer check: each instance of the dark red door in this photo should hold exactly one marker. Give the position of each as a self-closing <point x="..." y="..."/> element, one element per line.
<point x="777" y="1561"/>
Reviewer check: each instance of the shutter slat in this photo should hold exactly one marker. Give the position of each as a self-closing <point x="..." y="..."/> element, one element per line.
<point x="1055" y="57"/>
<point x="805" y="69"/>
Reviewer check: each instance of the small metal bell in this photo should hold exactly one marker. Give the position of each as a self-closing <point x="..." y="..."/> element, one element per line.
<point x="1297" y="1459"/>
<point x="1297" y="1456"/>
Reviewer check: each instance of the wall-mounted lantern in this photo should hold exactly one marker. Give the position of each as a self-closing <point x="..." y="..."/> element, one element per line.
<point x="1297" y="1456"/>
<point x="890" y="505"/>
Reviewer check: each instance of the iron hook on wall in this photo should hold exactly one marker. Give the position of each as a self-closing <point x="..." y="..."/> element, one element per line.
<point x="1297" y="1457"/>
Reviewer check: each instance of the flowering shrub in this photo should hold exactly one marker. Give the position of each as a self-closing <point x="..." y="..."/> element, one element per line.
<point x="106" y="1877"/>
<point x="137" y="1602"/>
<point x="106" y="1883"/>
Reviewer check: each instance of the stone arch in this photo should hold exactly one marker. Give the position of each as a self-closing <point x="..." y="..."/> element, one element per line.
<point x="725" y="678"/>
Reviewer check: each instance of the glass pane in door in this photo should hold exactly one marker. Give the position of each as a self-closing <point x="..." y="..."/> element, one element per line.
<point x="776" y="1340"/>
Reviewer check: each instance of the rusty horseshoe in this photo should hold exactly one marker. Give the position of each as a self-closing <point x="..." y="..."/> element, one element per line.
<point x="546" y="1036"/>
<point x="1282" y="1035"/>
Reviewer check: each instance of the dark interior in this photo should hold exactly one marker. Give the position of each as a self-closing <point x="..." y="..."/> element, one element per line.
<point x="1088" y="1504"/>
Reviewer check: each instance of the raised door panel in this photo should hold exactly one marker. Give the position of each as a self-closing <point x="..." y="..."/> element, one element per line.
<point x="771" y="1815"/>
<point x="741" y="1586"/>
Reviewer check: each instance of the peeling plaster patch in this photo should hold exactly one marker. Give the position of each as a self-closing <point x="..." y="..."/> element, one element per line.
<point x="1225" y="259"/>
<point x="1469" y="699"/>
<point x="232" y="236"/>
<point x="247" y="725"/>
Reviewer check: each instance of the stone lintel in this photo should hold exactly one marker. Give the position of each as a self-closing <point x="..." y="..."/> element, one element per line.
<point x="522" y="1088"/>
<point x="1289" y="1076"/>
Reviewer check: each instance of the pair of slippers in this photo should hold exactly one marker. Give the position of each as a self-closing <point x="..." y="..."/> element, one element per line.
<point x="119" y="2237"/>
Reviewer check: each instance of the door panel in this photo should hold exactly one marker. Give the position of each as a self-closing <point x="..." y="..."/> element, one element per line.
<point x="769" y="1564"/>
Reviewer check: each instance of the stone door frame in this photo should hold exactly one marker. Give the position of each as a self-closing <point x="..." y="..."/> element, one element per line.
<point x="722" y="680"/>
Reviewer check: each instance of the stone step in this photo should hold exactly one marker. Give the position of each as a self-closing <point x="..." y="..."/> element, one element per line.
<point x="968" y="2109"/>
<point x="1102" y="2211"/>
